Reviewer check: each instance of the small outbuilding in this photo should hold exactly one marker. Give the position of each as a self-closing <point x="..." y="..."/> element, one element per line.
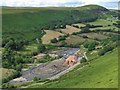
<point x="71" y="60"/>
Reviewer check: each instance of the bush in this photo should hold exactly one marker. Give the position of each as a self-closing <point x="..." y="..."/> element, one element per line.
<point x="76" y="33"/>
<point x="84" y="36"/>
<point x="41" y="48"/>
<point x="85" y="30"/>
<point x="76" y="26"/>
<point x="83" y="60"/>
<point x="36" y="79"/>
<point x="7" y="86"/>
<point x="60" y="38"/>
<point x="86" y="45"/>
<point x="105" y="50"/>
<point x="54" y="40"/>
<point x="91" y="47"/>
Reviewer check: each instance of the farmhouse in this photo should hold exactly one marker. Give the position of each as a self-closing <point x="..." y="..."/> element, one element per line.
<point x="71" y="60"/>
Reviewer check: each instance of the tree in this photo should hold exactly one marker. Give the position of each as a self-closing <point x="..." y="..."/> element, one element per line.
<point x="41" y="48"/>
<point x="18" y="67"/>
<point x="85" y="30"/>
<point x="105" y="50"/>
<point x="10" y="44"/>
<point x="84" y="36"/>
<point x="91" y="47"/>
<point x="86" y="45"/>
<point x="61" y="38"/>
<point x="54" y="40"/>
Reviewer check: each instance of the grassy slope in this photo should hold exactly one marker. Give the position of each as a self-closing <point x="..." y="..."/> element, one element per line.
<point x="104" y="23"/>
<point x="100" y="73"/>
<point x="26" y="23"/>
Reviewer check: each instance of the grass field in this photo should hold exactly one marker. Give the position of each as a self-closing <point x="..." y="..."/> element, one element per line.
<point x="75" y="40"/>
<point x="79" y="25"/>
<point x="99" y="73"/>
<point x="70" y="29"/>
<point x="105" y="28"/>
<point x="104" y="23"/>
<point x="101" y="22"/>
<point x="28" y="49"/>
<point x="94" y="35"/>
<point x="50" y="34"/>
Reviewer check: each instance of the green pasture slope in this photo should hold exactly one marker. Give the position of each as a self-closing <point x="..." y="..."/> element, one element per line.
<point x="27" y="23"/>
<point x="99" y="73"/>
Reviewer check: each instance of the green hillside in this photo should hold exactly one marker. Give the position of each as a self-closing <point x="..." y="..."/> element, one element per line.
<point x="99" y="73"/>
<point x="27" y="23"/>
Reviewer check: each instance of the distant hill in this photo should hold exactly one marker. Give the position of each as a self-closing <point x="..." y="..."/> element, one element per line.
<point x="28" y="23"/>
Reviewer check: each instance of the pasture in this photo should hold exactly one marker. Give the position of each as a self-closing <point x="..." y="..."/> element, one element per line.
<point x="79" y="25"/>
<point x="94" y="35"/>
<point x="74" y="40"/>
<point x="102" y="22"/>
<point x="70" y="29"/>
<point x="50" y="34"/>
<point x="105" y="28"/>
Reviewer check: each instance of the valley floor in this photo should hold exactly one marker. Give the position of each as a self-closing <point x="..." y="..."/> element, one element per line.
<point x="98" y="73"/>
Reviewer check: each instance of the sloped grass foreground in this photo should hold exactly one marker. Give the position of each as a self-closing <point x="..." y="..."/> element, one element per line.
<point x="99" y="73"/>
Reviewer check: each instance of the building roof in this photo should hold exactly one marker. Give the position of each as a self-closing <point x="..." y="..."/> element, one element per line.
<point x="73" y="58"/>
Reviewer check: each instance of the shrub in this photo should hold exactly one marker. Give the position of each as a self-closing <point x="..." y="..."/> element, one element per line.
<point x="83" y="60"/>
<point x="85" y="30"/>
<point x="54" y="40"/>
<point x="36" y="79"/>
<point x="60" y="38"/>
<point x="84" y="36"/>
<point x="105" y="50"/>
<point x="7" y="86"/>
<point x="41" y="48"/>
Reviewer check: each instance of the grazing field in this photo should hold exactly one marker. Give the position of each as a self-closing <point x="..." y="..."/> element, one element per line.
<point x="102" y="22"/>
<point x="105" y="28"/>
<point x="74" y="40"/>
<point x="28" y="49"/>
<point x="50" y="34"/>
<point x="99" y="73"/>
<point x="94" y="35"/>
<point x="79" y="25"/>
<point x="6" y="73"/>
<point x="70" y="29"/>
